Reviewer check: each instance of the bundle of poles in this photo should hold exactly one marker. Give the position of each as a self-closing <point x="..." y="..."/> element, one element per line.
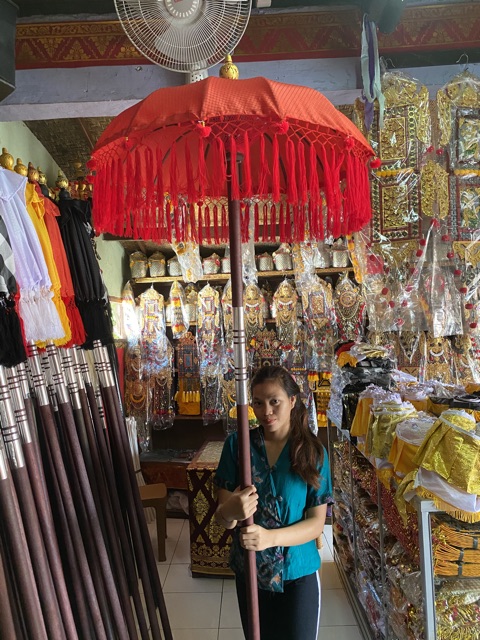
<point x="75" y="550"/>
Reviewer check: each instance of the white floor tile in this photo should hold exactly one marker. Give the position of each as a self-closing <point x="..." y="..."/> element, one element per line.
<point x="180" y="580"/>
<point x="328" y="535"/>
<point x="231" y="634"/>
<point x="163" y="568"/>
<point x="182" y="552"/>
<point x="339" y="633"/>
<point x="229" y="585"/>
<point x="230" y="615"/>
<point x="196" y="611"/>
<point x="195" y="634"/>
<point x="329" y="576"/>
<point x="336" y="610"/>
<point x="326" y="554"/>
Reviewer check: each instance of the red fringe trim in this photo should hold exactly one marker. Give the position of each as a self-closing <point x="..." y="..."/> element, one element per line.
<point x="173" y="175"/>
<point x="202" y="168"/>
<point x="219" y="174"/>
<point x="122" y="214"/>
<point x="256" y="223"/>
<point x="191" y="191"/>
<point x="177" y="223"/>
<point x="275" y="171"/>
<point x="117" y="215"/>
<point x="247" y="169"/>
<point x="235" y="190"/>
<point x="264" y="170"/>
<point x="301" y="174"/>
<point x="292" y="196"/>
<point x="149" y="196"/>
<point x="288" y="223"/>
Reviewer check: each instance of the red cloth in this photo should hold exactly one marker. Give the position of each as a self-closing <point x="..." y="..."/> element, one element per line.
<point x="174" y="135"/>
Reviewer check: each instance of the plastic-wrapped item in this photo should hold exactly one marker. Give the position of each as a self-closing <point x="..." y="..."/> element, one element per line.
<point x="130" y="316"/>
<point x="285" y="306"/>
<point x="210" y="351"/>
<point x="188" y="254"/>
<point x="254" y="305"/>
<point x="179" y="312"/>
<point x="350" y="310"/>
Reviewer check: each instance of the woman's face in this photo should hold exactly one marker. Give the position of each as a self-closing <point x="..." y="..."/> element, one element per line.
<point x="272" y="408"/>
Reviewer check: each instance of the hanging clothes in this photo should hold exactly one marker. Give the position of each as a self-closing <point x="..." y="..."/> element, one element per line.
<point x="90" y="294"/>
<point x="66" y="285"/>
<point x="12" y="351"/>
<point x="41" y="321"/>
<point x="36" y="210"/>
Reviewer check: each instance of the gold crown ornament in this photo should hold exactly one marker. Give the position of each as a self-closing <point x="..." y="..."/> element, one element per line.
<point x="42" y="178"/>
<point x="33" y="174"/>
<point x="61" y="182"/>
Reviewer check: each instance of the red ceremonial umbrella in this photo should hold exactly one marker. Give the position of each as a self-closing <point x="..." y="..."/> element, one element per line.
<point x="195" y="162"/>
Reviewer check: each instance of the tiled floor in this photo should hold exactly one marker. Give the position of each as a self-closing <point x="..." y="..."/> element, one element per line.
<point x="206" y="608"/>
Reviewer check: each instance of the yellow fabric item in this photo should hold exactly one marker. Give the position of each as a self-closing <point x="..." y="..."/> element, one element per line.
<point x="188" y="401"/>
<point x="452" y="453"/>
<point x="471" y="387"/>
<point x="362" y="417"/>
<point x="346" y="358"/>
<point x="382" y="428"/>
<point x="406" y="485"/>
<point x="36" y="211"/>
<point x="420" y="405"/>
<point x="436" y="409"/>
<point x="401" y="456"/>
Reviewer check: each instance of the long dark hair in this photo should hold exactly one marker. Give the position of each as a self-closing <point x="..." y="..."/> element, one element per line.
<point x="306" y="451"/>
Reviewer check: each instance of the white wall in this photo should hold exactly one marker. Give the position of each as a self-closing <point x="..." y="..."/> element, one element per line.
<point x="114" y="264"/>
<point x="17" y="138"/>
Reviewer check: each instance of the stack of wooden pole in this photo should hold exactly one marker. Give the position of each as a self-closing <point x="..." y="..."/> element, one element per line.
<point x="74" y="543"/>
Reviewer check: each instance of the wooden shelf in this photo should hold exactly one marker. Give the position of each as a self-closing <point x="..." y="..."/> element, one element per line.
<point x="224" y="277"/>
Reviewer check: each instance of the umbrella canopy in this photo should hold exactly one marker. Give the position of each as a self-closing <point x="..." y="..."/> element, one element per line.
<point x="160" y="167"/>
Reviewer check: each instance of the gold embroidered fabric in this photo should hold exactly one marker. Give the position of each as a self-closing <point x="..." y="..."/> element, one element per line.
<point x="434" y="189"/>
<point x="188" y="394"/>
<point x="381" y="429"/>
<point x="452" y="450"/>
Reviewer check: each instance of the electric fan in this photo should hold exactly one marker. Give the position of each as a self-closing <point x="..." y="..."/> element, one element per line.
<point x="188" y="36"/>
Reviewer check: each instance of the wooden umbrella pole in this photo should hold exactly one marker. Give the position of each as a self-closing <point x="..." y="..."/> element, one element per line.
<point x="29" y="514"/>
<point x="106" y="496"/>
<point x="37" y="480"/>
<point x="123" y="460"/>
<point x="241" y="389"/>
<point x="70" y="413"/>
<point x="67" y="515"/>
<point x="10" y="622"/>
<point x="83" y="372"/>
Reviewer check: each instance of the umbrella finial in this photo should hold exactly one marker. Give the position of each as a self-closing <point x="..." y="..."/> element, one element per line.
<point x="6" y="160"/>
<point x="229" y="70"/>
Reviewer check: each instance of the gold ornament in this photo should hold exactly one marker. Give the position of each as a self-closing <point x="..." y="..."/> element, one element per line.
<point x="42" y="178"/>
<point x="6" y="160"/>
<point x="20" y="168"/>
<point x="33" y="174"/>
<point x="229" y="70"/>
<point x="61" y="182"/>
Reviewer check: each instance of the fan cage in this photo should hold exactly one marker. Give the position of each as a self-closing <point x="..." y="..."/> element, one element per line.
<point x="185" y="44"/>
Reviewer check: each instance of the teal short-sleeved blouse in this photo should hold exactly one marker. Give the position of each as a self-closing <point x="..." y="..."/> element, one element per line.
<point x="283" y="500"/>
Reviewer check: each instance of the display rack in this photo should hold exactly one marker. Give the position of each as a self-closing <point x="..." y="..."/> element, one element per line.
<point x="424" y="509"/>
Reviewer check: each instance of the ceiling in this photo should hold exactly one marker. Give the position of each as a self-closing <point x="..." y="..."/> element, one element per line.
<point x="71" y="140"/>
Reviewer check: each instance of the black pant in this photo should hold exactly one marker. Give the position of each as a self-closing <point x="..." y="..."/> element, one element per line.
<point x="291" y="615"/>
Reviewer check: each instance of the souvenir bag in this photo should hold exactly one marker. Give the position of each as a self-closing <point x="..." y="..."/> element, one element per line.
<point x="285" y="313"/>
<point x="350" y="307"/>
<point x="254" y="311"/>
<point x="179" y="313"/>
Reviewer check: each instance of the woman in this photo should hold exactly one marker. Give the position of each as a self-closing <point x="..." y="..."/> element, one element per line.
<point x="288" y="499"/>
